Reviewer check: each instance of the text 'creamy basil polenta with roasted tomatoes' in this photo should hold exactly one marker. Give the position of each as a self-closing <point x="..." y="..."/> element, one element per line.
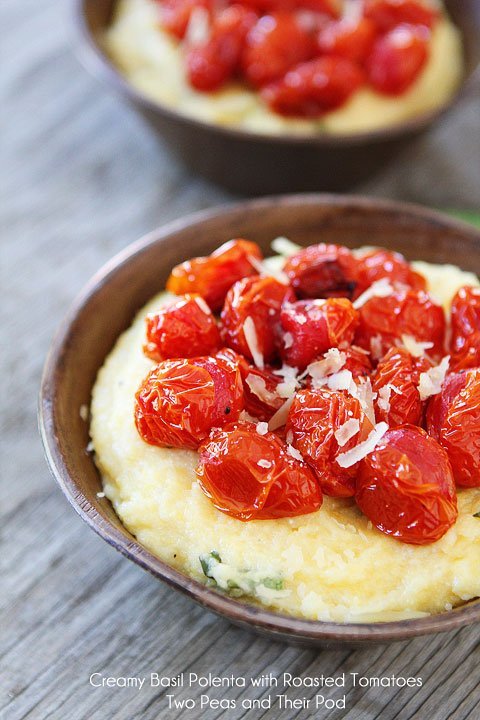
<point x="273" y="66"/>
<point x="303" y="430"/>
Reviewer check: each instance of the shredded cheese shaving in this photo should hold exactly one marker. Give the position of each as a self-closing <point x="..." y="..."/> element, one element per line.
<point x="284" y="246"/>
<point x="360" y="451"/>
<point x="431" y="381"/>
<point x="251" y="339"/>
<point x="280" y="417"/>
<point x="258" y="386"/>
<point x="203" y="305"/>
<point x="346" y="431"/>
<point x="293" y="452"/>
<point x="381" y="288"/>
<point x="414" y="347"/>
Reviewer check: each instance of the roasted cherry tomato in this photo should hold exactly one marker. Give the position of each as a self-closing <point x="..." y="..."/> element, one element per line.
<point x="183" y="329"/>
<point x="380" y="264"/>
<point x="397" y="59"/>
<point x="212" y="63"/>
<point x="453" y="418"/>
<point x="261" y="391"/>
<point x="212" y="276"/>
<point x="406" y="487"/>
<point x="181" y="400"/>
<point x="351" y="38"/>
<point x="387" y="14"/>
<point x="396" y="384"/>
<point x="250" y="318"/>
<point x="314" y="87"/>
<point x="465" y="341"/>
<point x="321" y="271"/>
<point x="310" y="327"/>
<point x="251" y="476"/>
<point x="314" y="422"/>
<point x="274" y="45"/>
<point x="383" y="321"/>
<point x="175" y="14"/>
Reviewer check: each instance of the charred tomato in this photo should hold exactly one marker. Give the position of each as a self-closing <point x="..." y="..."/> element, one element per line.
<point x="321" y="271"/>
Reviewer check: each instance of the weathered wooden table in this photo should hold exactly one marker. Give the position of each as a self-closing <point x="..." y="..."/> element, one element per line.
<point x="81" y="179"/>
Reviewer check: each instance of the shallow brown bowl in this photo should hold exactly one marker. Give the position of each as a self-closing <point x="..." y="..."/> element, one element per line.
<point x="107" y="306"/>
<point x="254" y="164"/>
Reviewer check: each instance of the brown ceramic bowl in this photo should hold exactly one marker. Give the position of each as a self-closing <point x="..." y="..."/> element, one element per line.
<point x="107" y="306"/>
<point x="255" y="164"/>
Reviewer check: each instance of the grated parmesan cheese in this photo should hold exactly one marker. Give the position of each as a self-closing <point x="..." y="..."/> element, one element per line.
<point x="284" y="246"/>
<point x="333" y="361"/>
<point x="259" y="388"/>
<point x="202" y="305"/>
<point x="381" y="288"/>
<point x="376" y="347"/>
<point x="293" y="452"/>
<point x="288" y="340"/>
<point x="414" y="347"/>
<point x="431" y="381"/>
<point x="262" y="428"/>
<point x="251" y="339"/>
<point x="265" y="464"/>
<point x="360" y="451"/>
<point x="290" y="383"/>
<point x="280" y="417"/>
<point x="346" y="431"/>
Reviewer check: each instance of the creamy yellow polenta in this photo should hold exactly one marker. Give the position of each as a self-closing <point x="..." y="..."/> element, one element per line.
<point x="152" y="61"/>
<point x="330" y="565"/>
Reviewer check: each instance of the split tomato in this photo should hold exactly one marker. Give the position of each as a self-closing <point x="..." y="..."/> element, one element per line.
<point x="253" y="477"/>
<point x="406" y="487"/>
<point x="261" y="391"/>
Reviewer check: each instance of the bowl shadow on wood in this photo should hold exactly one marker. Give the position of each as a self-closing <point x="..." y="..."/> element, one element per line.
<point x="254" y="164"/>
<point x="108" y="305"/>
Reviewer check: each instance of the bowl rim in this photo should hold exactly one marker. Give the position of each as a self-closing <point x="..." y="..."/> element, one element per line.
<point x="243" y="613"/>
<point x="98" y="63"/>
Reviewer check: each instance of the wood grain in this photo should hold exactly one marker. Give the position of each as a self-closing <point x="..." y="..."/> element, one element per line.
<point x="81" y="178"/>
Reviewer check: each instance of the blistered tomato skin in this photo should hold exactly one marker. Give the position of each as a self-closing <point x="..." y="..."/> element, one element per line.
<point x="397" y="59"/>
<point x="310" y="327"/>
<point x="313" y="419"/>
<point x="260" y="299"/>
<point x="211" y="277"/>
<point x="406" y="487"/>
<point x="250" y="476"/>
<point x="381" y="264"/>
<point x="184" y="329"/>
<point x="351" y="38"/>
<point x="211" y="64"/>
<point x="396" y="384"/>
<point x="383" y="321"/>
<point x="275" y="44"/>
<point x="181" y="400"/>
<point x="321" y="271"/>
<point x="386" y="14"/>
<point x="315" y="87"/>
<point x="261" y="391"/>
<point x="357" y="361"/>
<point x="453" y="418"/>
<point x="465" y="322"/>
